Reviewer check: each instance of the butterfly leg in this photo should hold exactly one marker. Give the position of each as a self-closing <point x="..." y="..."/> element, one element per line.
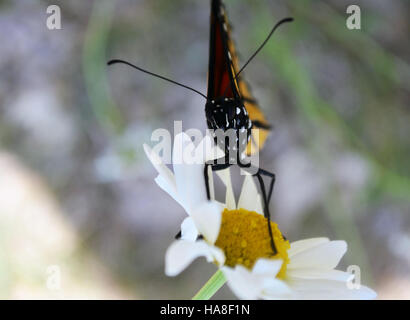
<point x="262" y="172"/>
<point x="265" y="197"/>
<point x="272" y="181"/>
<point x="266" y="209"/>
<point x="215" y="167"/>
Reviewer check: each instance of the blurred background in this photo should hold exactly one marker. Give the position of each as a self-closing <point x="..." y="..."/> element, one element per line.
<point x="80" y="213"/>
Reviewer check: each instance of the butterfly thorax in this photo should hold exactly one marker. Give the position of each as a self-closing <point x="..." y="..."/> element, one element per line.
<point x="229" y="116"/>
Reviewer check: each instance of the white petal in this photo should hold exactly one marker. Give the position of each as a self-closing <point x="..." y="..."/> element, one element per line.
<point x="335" y="275"/>
<point x="225" y="176"/>
<point x="260" y="283"/>
<point x="275" y="289"/>
<point x="243" y="284"/>
<point x="272" y="288"/>
<point x="189" y="176"/>
<point x="207" y="217"/>
<point x="188" y="230"/>
<point x="301" y="245"/>
<point x="190" y="184"/>
<point x="165" y="185"/>
<point x="162" y="169"/>
<point x="249" y="198"/>
<point x="324" y="256"/>
<point x="170" y="189"/>
<point x="259" y="207"/>
<point x="181" y="253"/>
<point x="328" y="290"/>
<point x="267" y="267"/>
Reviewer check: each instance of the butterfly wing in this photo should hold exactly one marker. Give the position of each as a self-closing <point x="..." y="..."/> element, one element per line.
<point x="221" y="82"/>
<point x="260" y="126"/>
<point x="223" y="66"/>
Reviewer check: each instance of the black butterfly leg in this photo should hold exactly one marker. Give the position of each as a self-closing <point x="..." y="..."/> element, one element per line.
<point x="266" y="210"/>
<point x="266" y="197"/>
<point x="215" y="167"/>
<point x="272" y="181"/>
<point x="262" y="172"/>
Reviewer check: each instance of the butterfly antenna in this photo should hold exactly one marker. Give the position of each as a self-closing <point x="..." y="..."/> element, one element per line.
<point x="114" y="61"/>
<point x="264" y="42"/>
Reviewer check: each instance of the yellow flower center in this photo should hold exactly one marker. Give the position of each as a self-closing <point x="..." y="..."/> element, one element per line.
<point x="244" y="238"/>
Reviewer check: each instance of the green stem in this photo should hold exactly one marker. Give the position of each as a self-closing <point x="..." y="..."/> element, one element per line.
<point x="211" y="287"/>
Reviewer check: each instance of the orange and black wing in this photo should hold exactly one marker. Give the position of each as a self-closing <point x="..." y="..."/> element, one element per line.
<point x="261" y="128"/>
<point x="223" y="67"/>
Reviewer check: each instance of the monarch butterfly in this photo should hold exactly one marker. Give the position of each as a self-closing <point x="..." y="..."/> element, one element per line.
<point x="230" y="105"/>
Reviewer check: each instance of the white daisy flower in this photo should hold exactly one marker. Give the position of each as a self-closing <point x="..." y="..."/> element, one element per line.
<point x="236" y="238"/>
